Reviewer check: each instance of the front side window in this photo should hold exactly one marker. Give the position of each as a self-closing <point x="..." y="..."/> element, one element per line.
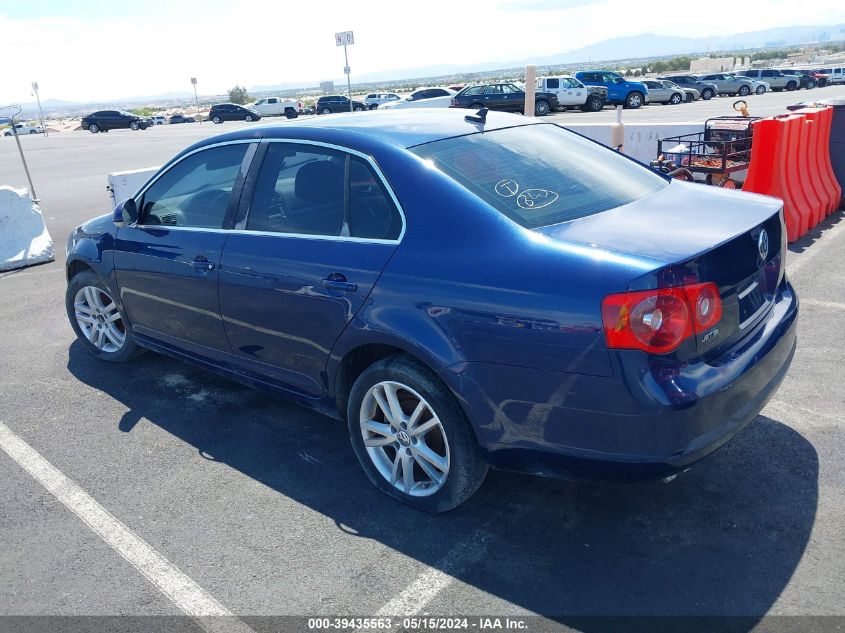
<point x="541" y="174"/>
<point x="311" y="190"/>
<point x="195" y="192"/>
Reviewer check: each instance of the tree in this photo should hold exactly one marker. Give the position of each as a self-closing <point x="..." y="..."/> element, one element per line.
<point x="238" y="94"/>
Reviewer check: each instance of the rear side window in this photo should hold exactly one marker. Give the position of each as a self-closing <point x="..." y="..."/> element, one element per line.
<point x="541" y="174"/>
<point x="311" y="190"/>
<point x="553" y="83"/>
<point x="475" y="90"/>
<point x="195" y="192"/>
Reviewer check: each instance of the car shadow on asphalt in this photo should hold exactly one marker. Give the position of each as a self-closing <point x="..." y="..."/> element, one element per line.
<point x="722" y="539"/>
<point x="812" y="236"/>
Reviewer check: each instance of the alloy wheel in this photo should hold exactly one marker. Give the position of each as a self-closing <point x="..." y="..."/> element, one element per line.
<point x="99" y="319"/>
<point x="404" y="438"/>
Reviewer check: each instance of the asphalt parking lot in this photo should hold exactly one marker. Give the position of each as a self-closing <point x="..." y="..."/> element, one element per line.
<point x="263" y="508"/>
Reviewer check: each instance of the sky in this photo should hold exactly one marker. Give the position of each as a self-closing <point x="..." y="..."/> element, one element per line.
<point x="94" y="50"/>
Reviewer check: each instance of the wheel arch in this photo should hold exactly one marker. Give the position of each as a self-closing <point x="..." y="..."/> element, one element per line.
<point x="350" y="358"/>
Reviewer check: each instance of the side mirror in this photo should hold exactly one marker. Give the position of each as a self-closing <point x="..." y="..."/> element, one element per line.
<point x="126" y="212"/>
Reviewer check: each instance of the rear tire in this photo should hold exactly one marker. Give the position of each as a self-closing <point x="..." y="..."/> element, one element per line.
<point x="811" y="84"/>
<point x="744" y="91"/>
<point x="476" y="106"/>
<point x="326" y="111"/>
<point x="792" y="86"/>
<point x="216" y="119"/>
<point x="290" y="113"/>
<point x="33" y="132"/>
<point x="541" y="108"/>
<point x="594" y="104"/>
<point x="357" y="109"/>
<point x="134" y="126"/>
<point x="707" y="94"/>
<point x="760" y="90"/>
<point x="450" y="441"/>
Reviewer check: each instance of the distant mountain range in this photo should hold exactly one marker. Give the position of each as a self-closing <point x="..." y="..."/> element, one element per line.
<point x="645" y="45"/>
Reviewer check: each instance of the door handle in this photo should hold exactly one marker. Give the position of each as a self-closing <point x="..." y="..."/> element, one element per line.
<point x="200" y="262"/>
<point x="336" y="281"/>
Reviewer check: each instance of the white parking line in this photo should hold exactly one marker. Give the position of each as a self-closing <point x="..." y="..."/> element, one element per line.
<point x="167" y="578"/>
<point x="819" y="303"/>
<point x="414" y="598"/>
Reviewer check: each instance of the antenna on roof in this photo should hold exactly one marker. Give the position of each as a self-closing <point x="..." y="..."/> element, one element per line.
<point x="478" y="117"/>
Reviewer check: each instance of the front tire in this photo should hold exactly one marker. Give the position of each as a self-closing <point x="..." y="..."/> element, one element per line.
<point x="634" y="100"/>
<point x="411" y="436"/>
<point x="134" y="126"/>
<point x="248" y="118"/>
<point x="97" y="320"/>
<point x="676" y="99"/>
<point x="93" y="128"/>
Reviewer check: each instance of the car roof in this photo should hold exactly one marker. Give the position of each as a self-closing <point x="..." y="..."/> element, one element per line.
<point x="364" y="131"/>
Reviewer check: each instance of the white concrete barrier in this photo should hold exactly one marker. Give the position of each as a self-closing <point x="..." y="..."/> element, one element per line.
<point x="640" y="138"/>
<point x="24" y="239"/>
<point x="124" y="184"/>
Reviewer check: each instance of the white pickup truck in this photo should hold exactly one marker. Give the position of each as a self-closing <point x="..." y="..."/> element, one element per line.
<point x="572" y="93"/>
<point x="276" y="106"/>
<point x="24" y="128"/>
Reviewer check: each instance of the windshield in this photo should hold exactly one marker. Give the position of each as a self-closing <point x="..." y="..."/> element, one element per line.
<point x="541" y="174"/>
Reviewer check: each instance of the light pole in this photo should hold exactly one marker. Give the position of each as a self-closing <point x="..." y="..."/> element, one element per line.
<point x="17" y="110"/>
<point x="35" y="90"/>
<point x="196" y="98"/>
<point x="346" y="38"/>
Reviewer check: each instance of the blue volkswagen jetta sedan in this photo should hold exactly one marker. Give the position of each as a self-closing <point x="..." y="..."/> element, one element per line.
<point x="464" y="293"/>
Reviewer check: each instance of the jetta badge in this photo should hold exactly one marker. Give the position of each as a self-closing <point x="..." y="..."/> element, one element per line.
<point x="763" y="244"/>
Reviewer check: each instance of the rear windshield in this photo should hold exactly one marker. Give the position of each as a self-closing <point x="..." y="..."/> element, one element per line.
<point x="541" y="174"/>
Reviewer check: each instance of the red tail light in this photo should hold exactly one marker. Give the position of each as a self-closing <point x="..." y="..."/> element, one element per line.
<point x="658" y="321"/>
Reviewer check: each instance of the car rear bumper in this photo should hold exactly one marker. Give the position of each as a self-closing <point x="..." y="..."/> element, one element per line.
<point x="572" y="425"/>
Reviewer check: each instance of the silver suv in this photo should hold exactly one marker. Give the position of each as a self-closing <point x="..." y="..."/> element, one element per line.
<point x="775" y="78"/>
<point x="728" y="84"/>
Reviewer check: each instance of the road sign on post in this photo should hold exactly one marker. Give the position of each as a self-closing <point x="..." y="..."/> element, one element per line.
<point x="346" y="38"/>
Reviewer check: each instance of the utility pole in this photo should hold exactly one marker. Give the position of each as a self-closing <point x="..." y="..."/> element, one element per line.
<point x="35" y="90"/>
<point x="346" y="38"/>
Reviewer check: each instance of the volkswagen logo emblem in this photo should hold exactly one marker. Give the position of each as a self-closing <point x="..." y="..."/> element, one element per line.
<point x="763" y="244"/>
<point x="403" y="438"/>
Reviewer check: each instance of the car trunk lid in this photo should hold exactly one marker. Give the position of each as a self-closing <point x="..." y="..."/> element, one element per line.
<point x="701" y="234"/>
